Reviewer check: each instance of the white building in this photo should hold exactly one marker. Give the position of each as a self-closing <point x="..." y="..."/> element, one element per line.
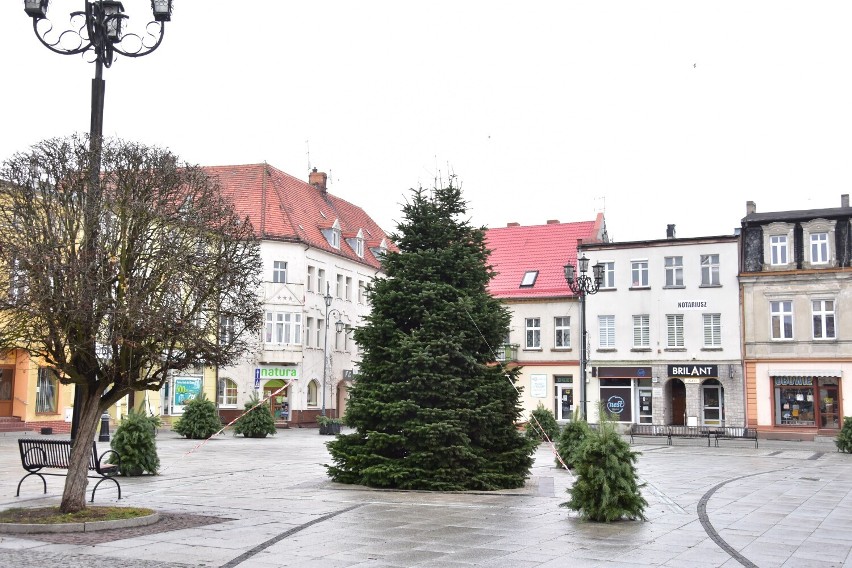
<point x="664" y="332"/>
<point x="312" y="244"/>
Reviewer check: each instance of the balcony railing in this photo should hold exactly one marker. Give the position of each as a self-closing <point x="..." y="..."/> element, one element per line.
<point x="508" y="352"/>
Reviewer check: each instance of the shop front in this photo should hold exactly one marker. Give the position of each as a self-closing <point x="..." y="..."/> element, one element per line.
<point x="696" y="394"/>
<point x="277" y="387"/>
<point x="626" y="394"/>
<point x="802" y="401"/>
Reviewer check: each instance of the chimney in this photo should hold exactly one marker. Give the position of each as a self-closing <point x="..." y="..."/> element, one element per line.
<point x="553" y="221"/>
<point x="670" y="231"/>
<point x="318" y="180"/>
<point x="751" y="208"/>
<point x="513" y="224"/>
<point x="844" y="200"/>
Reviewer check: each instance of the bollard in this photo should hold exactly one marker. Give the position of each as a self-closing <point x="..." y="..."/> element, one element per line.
<point x="104" y="437"/>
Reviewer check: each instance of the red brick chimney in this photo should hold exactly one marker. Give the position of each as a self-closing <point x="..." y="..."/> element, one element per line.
<point x="513" y="224"/>
<point x="318" y="180"/>
<point x="553" y="221"/>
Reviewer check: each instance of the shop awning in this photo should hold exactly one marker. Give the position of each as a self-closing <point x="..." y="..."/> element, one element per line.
<point x="805" y="373"/>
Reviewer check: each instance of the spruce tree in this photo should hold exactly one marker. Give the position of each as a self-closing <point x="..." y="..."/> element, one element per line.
<point x="431" y="408"/>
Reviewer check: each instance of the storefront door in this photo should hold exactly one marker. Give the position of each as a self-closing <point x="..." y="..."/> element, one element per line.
<point x="279" y="404"/>
<point x="829" y="406"/>
<point x="564" y="402"/>
<point x="712" y="408"/>
<point x="7" y="383"/>
<point x="645" y="406"/>
<point x="678" y="390"/>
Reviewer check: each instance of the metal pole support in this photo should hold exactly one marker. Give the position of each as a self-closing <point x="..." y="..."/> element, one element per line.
<point x="104" y="436"/>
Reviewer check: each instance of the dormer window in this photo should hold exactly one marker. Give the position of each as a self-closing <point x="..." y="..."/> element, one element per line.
<point x="778" y="246"/>
<point x="332" y="234"/>
<point x="528" y="281"/>
<point x="818" y="236"/>
<point x="357" y="243"/>
<point x="380" y="250"/>
<point x="335" y="238"/>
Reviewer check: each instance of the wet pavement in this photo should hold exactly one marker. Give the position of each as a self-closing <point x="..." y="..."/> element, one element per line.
<point x="265" y="503"/>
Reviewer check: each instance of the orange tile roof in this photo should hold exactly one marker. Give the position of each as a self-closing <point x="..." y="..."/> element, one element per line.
<point x="281" y="207"/>
<point x="546" y="248"/>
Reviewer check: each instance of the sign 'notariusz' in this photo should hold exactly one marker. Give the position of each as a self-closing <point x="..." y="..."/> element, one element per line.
<point x="693" y="305"/>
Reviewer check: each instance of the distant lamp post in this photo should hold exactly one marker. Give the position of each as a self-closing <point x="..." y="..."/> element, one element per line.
<point x="582" y="285"/>
<point x="97" y="29"/>
<point x="339" y="326"/>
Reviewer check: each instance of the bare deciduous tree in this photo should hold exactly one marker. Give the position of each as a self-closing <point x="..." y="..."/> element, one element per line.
<point x="118" y="281"/>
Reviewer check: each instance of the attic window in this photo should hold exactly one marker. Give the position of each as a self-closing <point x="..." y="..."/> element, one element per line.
<point x="529" y="278"/>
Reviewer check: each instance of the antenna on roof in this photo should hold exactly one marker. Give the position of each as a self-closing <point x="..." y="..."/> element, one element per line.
<point x="308" y="148"/>
<point x="329" y="176"/>
<point x="602" y="199"/>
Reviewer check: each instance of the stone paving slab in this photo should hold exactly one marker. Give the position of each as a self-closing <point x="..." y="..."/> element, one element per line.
<point x="784" y="504"/>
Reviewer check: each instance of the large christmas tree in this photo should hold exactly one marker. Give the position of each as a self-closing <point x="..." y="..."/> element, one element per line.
<point x="431" y="408"/>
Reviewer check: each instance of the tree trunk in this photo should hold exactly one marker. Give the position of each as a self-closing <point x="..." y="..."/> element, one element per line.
<point x="74" y="496"/>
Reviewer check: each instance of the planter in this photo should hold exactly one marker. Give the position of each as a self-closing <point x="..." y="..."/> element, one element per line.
<point x="329" y="429"/>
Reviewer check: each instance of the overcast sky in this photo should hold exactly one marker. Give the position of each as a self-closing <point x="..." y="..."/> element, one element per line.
<point x="653" y="112"/>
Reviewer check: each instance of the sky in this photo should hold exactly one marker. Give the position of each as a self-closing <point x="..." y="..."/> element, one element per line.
<point x="652" y="112"/>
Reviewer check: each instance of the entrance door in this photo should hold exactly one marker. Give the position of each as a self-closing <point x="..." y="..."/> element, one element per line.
<point x="829" y="406"/>
<point x="678" y="402"/>
<point x="564" y="402"/>
<point x="645" y="406"/>
<point x="712" y="409"/>
<point x="279" y="404"/>
<point x="7" y="383"/>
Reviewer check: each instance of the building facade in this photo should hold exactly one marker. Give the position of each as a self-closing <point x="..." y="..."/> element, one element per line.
<point x="664" y="332"/>
<point x="796" y="279"/>
<point x="544" y="336"/>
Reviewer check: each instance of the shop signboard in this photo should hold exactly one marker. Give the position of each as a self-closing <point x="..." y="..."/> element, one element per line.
<point x="538" y="386"/>
<point x="694" y="371"/>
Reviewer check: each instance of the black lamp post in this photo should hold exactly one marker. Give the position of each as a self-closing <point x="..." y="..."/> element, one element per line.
<point x="338" y="326"/>
<point x="97" y="29"/>
<point x="582" y="285"/>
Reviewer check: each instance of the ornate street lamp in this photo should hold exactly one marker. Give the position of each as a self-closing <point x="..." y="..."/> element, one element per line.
<point x="581" y="286"/>
<point x="98" y="30"/>
<point x="339" y="326"/>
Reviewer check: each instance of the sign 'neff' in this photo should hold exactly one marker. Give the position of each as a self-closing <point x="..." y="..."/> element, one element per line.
<point x="615" y="404"/>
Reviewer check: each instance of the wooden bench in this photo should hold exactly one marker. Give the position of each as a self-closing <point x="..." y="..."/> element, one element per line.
<point x="734" y="433"/>
<point x="691" y="432"/>
<point x="56" y="454"/>
<point x="650" y="431"/>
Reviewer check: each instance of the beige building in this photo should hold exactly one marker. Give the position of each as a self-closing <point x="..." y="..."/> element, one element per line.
<point x="796" y="285"/>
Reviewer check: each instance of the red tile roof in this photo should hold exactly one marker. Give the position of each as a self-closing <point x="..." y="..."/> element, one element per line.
<point x="546" y="248"/>
<point x="281" y="207"/>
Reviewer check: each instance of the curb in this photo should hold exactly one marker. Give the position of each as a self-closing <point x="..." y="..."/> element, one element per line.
<point x="31" y="528"/>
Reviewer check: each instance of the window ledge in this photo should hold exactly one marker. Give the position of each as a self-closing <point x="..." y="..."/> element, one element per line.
<point x="825" y="339"/>
<point x="678" y="287"/>
<point x="639" y="288"/>
<point x="640" y="349"/>
<point x="675" y="349"/>
<point x="531" y="349"/>
<point x="607" y="289"/>
<point x="709" y="285"/>
<point x="606" y="350"/>
<point x="711" y="349"/>
<point x="562" y="349"/>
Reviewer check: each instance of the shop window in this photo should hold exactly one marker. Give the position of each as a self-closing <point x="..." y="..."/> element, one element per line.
<point x="46" y="391"/>
<point x="617" y="398"/>
<point x="227" y="392"/>
<point x="313" y="388"/>
<point x="807" y="401"/>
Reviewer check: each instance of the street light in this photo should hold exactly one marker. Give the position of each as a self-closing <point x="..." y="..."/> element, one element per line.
<point x="581" y="286"/>
<point x="338" y="326"/>
<point x="101" y="33"/>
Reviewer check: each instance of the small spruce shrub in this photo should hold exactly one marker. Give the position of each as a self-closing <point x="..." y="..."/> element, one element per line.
<point x="605" y="489"/>
<point x="542" y="419"/>
<point x="257" y="422"/>
<point x="570" y="440"/>
<point x="200" y="419"/>
<point x="844" y="438"/>
<point x="134" y="441"/>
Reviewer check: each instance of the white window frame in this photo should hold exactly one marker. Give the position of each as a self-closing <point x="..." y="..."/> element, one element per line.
<point x="309" y="282"/>
<point x="674" y="327"/>
<point x="674" y="271"/>
<point x="279" y="272"/>
<point x="348" y="291"/>
<point x="639" y="274"/>
<point x="227" y="392"/>
<point x="320" y="330"/>
<point x="606" y="331"/>
<point x="562" y="332"/>
<point x="823" y="245"/>
<point x="283" y="328"/>
<point x="779" y="250"/>
<point x="819" y="248"/>
<point x="641" y="331"/>
<point x="321" y="281"/>
<point x="313" y="393"/>
<point x="532" y="333"/>
<point x="608" y="282"/>
<point x="781" y="312"/>
<point x="821" y="315"/>
<point x="710" y="264"/>
<point x="338" y="288"/>
<point x="772" y="257"/>
<point x="712" y="330"/>
<point x="361" y="290"/>
<point x="309" y="332"/>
